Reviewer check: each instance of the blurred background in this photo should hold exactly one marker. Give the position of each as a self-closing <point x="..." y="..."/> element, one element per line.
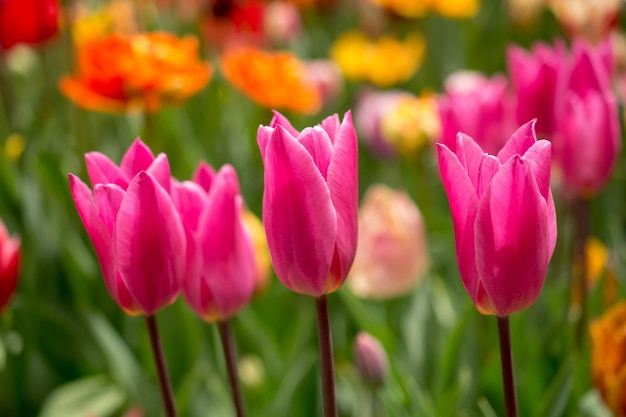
<point x="194" y="79"/>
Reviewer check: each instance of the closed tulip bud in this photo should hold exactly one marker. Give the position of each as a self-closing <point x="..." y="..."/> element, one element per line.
<point x="370" y="359"/>
<point x="608" y="357"/>
<point x="587" y="142"/>
<point x="310" y="201"/>
<point x="537" y="79"/>
<point x="134" y="227"/>
<point x="220" y="274"/>
<point x="478" y="106"/>
<point x="503" y="217"/>
<point x="10" y="255"/>
<point x="392" y="251"/>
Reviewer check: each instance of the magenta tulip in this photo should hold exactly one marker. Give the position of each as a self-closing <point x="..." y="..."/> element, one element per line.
<point x="310" y="201"/>
<point x="587" y="140"/>
<point x="479" y="106"/>
<point x="504" y="218"/>
<point x="135" y="229"/>
<point x="538" y="79"/>
<point x="221" y="269"/>
<point x="10" y="259"/>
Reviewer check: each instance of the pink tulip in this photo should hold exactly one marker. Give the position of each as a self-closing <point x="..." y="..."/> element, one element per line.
<point x="136" y="232"/>
<point x="539" y="79"/>
<point x="10" y="255"/>
<point x="310" y="201"/>
<point x="587" y="140"/>
<point x="370" y="359"/>
<point x="479" y="106"/>
<point x="504" y="219"/>
<point x="221" y="268"/>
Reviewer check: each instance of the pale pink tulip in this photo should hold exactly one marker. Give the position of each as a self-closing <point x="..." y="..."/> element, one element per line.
<point x="370" y="359"/>
<point x="136" y="232"/>
<point x="504" y="218"/>
<point x="221" y="263"/>
<point x="310" y="201"/>
<point x="392" y="251"/>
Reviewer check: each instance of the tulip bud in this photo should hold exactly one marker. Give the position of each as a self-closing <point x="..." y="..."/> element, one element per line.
<point x="9" y="265"/>
<point x="608" y="357"/>
<point x="370" y="360"/>
<point x="477" y="106"/>
<point x="310" y="201"/>
<point x="136" y="232"/>
<point x="392" y="253"/>
<point x="503" y="217"/>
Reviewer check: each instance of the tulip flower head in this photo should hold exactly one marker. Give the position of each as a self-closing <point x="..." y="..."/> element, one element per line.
<point x="310" y="201"/>
<point x="221" y="264"/>
<point x="503" y="217"/>
<point x="370" y="359"/>
<point x="27" y="21"/>
<point x="9" y="265"/>
<point x="135" y="229"/>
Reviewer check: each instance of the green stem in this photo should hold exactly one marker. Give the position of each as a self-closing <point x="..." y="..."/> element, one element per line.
<point x="326" y="357"/>
<point x="508" y="375"/>
<point x="231" y="365"/>
<point x="165" y="384"/>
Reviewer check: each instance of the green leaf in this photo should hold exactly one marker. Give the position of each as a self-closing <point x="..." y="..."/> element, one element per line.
<point x="97" y="396"/>
<point x="555" y="400"/>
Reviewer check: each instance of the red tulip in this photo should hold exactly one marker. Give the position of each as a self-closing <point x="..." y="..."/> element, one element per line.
<point x="27" y="21"/>
<point x="9" y="265"/>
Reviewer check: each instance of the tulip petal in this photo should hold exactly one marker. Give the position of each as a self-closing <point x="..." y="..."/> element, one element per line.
<point x="470" y="155"/>
<point x="204" y="175"/>
<point x="331" y="126"/>
<point x="512" y="238"/>
<point x="150" y="244"/>
<point x="489" y="165"/>
<point x="227" y="281"/>
<point x="137" y="158"/>
<point x="280" y="120"/>
<point x="160" y="170"/>
<point x="520" y="142"/>
<point x="342" y="182"/>
<point x="263" y="135"/>
<point x="318" y="144"/>
<point x="100" y="235"/>
<point x="108" y="198"/>
<point x="463" y="205"/>
<point x="300" y="220"/>
<point x="102" y="170"/>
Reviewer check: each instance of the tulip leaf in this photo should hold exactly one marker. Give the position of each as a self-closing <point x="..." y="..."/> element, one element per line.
<point x="96" y="395"/>
<point x="558" y="393"/>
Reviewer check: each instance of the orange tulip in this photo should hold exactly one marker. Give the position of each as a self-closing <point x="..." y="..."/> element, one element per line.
<point x="136" y="72"/>
<point x="608" y="357"/>
<point x="277" y="80"/>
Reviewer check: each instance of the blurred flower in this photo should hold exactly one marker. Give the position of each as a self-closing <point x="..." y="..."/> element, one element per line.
<point x="419" y="8"/>
<point x="134" y="227"/>
<point x="251" y="371"/>
<point x="281" y="21"/>
<point x="592" y="19"/>
<point x="310" y="201"/>
<point x="327" y="77"/>
<point x="185" y="10"/>
<point x="597" y="256"/>
<point x="14" y="146"/>
<point x="538" y="79"/>
<point x="371" y="107"/>
<point x="392" y="250"/>
<point x="136" y="72"/>
<point x="525" y="12"/>
<point x="411" y="123"/>
<point x="587" y="139"/>
<point x="261" y="251"/>
<point x="221" y="265"/>
<point x="10" y="259"/>
<point x="370" y="359"/>
<point x="384" y="61"/>
<point x="608" y="357"/>
<point x="27" y="21"/>
<point x="504" y="219"/>
<point x="115" y="16"/>
<point x="477" y="106"/>
<point x="271" y="79"/>
<point x="231" y="23"/>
